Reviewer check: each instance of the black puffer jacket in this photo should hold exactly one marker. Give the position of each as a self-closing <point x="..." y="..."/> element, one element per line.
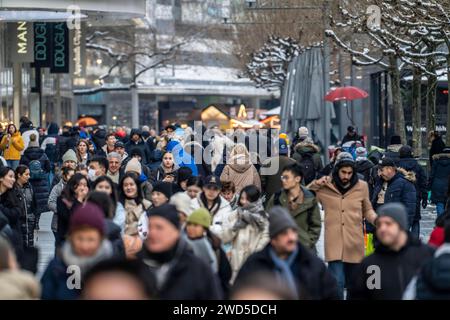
<point x="28" y="219"/>
<point x="440" y="171"/>
<point x="314" y="282"/>
<point x="433" y="282"/>
<point x="396" y="269"/>
<point x="188" y="277"/>
<point x="40" y="185"/>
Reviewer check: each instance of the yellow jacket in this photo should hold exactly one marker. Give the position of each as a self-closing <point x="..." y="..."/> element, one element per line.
<point x="16" y="145"/>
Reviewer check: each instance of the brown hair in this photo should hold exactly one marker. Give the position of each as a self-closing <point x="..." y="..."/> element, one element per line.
<point x="228" y="186"/>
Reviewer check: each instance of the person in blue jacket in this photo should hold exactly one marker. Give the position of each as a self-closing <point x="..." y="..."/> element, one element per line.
<point x="181" y="158"/>
<point x="395" y="185"/>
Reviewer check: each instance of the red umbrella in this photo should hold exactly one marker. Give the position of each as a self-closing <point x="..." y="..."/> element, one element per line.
<point x="346" y="93"/>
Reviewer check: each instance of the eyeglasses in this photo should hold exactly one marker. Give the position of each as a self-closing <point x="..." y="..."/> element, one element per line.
<point x="284" y="177"/>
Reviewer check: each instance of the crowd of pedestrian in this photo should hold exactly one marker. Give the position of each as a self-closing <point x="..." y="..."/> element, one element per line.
<point x="147" y="216"/>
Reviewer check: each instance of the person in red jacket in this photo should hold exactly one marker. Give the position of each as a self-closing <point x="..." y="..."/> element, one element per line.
<point x="437" y="235"/>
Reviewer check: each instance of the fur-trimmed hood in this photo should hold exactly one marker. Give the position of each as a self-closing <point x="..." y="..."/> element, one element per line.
<point x="306" y="147"/>
<point x="408" y="175"/>
<point x="441" y="156"/>
<point x="394" y="147"/>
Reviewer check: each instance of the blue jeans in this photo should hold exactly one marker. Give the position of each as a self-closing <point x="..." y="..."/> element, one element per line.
<point x="13" y="164"/>
<point x="342" y="272"/>
<point x="440" y="208"/>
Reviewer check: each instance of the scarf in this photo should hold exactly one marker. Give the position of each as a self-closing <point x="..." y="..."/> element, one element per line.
<point x="162" y="263"/>
<point x="283" y="268"/>
<point x="203" y="249"/>
<point x="253" y="214"/>
<point x="339" y="185"/>
<point x="69" y="257"/>
<point x="214" y="208"/>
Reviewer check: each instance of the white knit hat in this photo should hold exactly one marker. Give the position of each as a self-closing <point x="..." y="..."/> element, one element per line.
<point x="303" y="132"/>
<point x="133" y="166"/>
<point x="182" y="201"/>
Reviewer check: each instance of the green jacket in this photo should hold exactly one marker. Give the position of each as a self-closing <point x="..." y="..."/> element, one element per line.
<point x="307" y="216"/>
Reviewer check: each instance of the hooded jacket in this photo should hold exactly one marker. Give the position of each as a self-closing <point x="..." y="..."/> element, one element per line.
<point x="396" y="268"/>
<point x="307" y="216"/>
<point x="400" y="188"/>
<point x="242" y="172"/>
<point x="307" y="148"/>
<point x="433" y="281"/>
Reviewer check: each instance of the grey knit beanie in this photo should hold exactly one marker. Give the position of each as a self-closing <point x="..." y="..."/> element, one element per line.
<point x="279" y="220"/>
<point x="395" y="211"/>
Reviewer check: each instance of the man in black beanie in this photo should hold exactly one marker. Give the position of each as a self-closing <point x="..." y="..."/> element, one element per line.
<point x="393" y="149"/>
<point x="385" y="274"/>
<point x="304" y="274"/>
<point x="179" y="274"/>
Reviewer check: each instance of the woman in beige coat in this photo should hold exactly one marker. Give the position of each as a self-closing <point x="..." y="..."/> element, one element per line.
<point x="240" y="169"/>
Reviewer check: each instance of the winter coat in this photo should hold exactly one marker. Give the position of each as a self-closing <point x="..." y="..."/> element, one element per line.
<point x="186" y="277"/>
<point x="133" y="214"/>
<point x="130" y="145"/>
<point x="28" y="220"/>
<point x="348" y="138"/>
<point x="313" y="280"/>
<point x="364" y="167"/>
<point x="393" y="152"/>
<point x="221" y="215"/>
<point x="180" y="158"/>
<point x="221" y="264"/>
<point x="65" y="142"/>
<point x="437" y="146"/>
<point x="40" y="185"/>
<point x="248" y="234"/>
<point x="271" y="171"/>
<point x="433" y="281"/>
<point x="159" y="174"/>
<point x="344" y="214"/>
<point x="440" y="171"/>
<point x="195" y="150"/>
<point x="308" y="149"/>
<point x="10" y="207"/>
<point x="396" y="271"/>
<point x="411" y="164"/>
<point x="242" y="172"/>
<point x="12" y="150"/>
<point x="55" y="277"/>
<point x="18" y="285"/>
<point x="307" y="216"/>
<point x="400" y="188"/>
<point x="64" y="212"/>
<point x="99" y="138"/>
<point x="437" y="237"/>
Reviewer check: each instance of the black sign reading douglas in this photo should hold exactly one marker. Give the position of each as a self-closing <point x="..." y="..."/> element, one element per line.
<point x="51" y="46"/>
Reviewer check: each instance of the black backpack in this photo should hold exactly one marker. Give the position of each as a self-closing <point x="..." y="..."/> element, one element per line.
<point x="52" y="152"/>
<point x="309" y="169"/>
